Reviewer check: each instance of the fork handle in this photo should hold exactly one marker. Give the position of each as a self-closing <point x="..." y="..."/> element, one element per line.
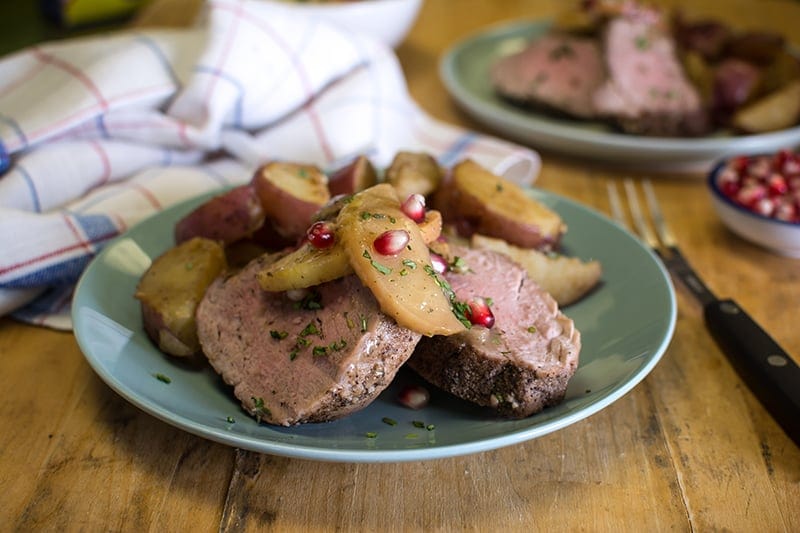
<point x="770" y="373"/>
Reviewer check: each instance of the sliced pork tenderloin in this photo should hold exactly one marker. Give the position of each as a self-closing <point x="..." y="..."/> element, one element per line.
<point x="291" y="362"/>
<point x="519" y="366"/>
<point x="556" y="72"/>
<point x="647" y="91"/>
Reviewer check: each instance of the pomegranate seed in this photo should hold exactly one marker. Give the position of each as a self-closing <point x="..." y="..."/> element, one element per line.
<point x="749" y="195"/>
<point x="786" y="211"/>
<point x="414" y="207"/>
<point x="479" y="313"/>
<point x="321" y="235"/>
<point x="776" y="184"/>
<point x="764" y="206"/>
<point x="740" y="164"/>
<point x="414" y="396"/>
<point x="391" y="242"/>
<point x="439" y="264"/>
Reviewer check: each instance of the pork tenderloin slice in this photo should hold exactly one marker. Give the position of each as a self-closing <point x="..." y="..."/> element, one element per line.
<point x="647" y="91"/>
<point x="288" y="365"/>
<point x="556" y="72"/>
<point x="522" y="364"/>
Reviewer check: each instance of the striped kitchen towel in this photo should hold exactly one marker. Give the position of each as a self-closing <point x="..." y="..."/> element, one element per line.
<point x="99" y="133"/>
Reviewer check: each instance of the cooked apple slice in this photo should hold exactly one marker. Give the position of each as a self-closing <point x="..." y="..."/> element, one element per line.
<point x="567" y="279"/>
<point x="291" y="193"/>
<point x="414" y="172"/>
<point x="387" y="252"/>
<point x="305" y="267"/>
<point x="353" y="178"/>
<point x="478" y="201"/>
<point x="308" y="266"/>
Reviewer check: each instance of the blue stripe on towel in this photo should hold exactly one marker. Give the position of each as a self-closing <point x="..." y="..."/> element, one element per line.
<point x="5" y="159"/>
<point x="454" y="152"/>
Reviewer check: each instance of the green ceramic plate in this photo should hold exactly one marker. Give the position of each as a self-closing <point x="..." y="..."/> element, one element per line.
<point x="464" y="70"/>
<point x="626" y="326"/>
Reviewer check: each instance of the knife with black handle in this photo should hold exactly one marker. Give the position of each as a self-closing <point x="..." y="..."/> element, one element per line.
<point x="770" y="373"/>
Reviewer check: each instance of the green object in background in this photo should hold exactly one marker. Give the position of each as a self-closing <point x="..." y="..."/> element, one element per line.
<point x="81" y="12"/>
<point x="25" y="23"/>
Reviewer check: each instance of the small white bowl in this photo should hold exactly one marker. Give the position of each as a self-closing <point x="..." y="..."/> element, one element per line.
<point x="776" y="235"/>
<point x="388" y="21"/>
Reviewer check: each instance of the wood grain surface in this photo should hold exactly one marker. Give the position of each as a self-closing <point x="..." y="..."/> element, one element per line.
<point x="689" y="449"/>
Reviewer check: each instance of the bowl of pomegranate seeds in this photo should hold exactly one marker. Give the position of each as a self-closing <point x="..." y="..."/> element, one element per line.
<point x="758" y="197"/>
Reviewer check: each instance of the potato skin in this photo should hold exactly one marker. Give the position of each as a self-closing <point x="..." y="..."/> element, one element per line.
<point x="360" y="174"/>
<point x="291" y="194"/>
<point x="229" y="217"/>
<point x="477" y="201"/>
<point x="170" y="290"/>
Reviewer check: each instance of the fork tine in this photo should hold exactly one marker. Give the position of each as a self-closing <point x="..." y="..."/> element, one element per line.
<point x="615" y="204"/>
<point x="662" y="229"/>
<point x="638" y="218"/>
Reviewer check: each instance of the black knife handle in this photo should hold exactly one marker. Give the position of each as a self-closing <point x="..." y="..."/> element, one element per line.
<point x="766" y="368"/>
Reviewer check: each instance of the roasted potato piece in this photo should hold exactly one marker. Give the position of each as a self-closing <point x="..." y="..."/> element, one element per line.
<point x="414" y="172"/>
<point x="229" y="217"/>
<point x="567" y="279"/>
<point x="352" y="178"/>
<point x="477" y="201"/>
<point x="776" y="111"/>
<point x="397" y="271"/>
<point x="170" y="290"/>
<point x="291" y="194"/>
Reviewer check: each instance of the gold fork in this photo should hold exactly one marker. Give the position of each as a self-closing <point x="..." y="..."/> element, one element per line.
<point x="770" y="373"/>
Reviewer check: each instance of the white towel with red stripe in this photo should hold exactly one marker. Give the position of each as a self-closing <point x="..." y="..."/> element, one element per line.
<point x="99" y="133"/>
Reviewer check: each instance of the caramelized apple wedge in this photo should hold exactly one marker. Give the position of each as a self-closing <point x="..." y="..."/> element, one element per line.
<point x="308" y="266"/>
<point x="291" y="194"/>
<point x="305" y="267"/>
<point x="478" y="201"/>
<point x="398" y="272"/>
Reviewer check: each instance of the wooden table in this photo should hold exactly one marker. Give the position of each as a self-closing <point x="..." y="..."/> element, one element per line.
<point x="688" y="449"/>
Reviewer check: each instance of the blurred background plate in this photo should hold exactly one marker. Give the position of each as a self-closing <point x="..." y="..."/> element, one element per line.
<point x="464" y="69"/>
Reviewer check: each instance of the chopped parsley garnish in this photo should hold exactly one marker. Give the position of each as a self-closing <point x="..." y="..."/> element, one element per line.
<point x="230" y="420"/>
<point x="338" y="345"/>
<point x="363" y="323"/>
<point x="310" y="302"/>
<point x="409" y="263"/>
<point x="370" y="434"/>
<point x="319" y="351"/>
<point x="278" y="335"/>
<point x="259" y="409"/>
<point x="162" y="378"/>
<point x="418" y="424"/>
<point x="380" y="268"/>
<point x="531" y="329"/>
<point x="389" y="421"/>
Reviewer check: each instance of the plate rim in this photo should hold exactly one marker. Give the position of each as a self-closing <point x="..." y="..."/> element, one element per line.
<point x="552" y="133"/>
<point x="301" y="451"/>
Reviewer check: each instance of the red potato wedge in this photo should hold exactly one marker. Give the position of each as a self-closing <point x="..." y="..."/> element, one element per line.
<point x="477" y="201"/>
<point x="291" y="194"/>
<point x="353" y="178"/>
<point x="229" y="217"/>
<point x="414" y="173"/>
<point x="170" y="290"/>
